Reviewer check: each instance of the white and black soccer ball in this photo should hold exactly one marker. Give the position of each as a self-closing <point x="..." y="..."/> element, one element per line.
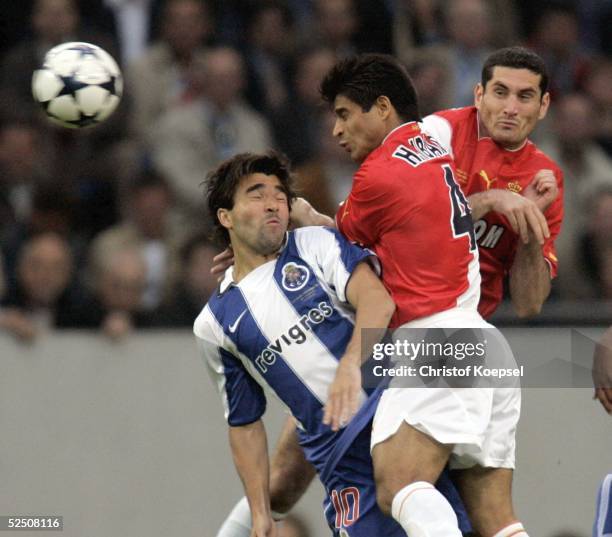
<point x="79" y="85"/>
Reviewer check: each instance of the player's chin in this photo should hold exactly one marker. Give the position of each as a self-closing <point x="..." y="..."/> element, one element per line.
<point x="271" y="242"/>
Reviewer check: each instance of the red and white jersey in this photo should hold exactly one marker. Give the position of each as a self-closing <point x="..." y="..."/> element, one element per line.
<point x="406" y="206"/>
<point x="482" y="164"/>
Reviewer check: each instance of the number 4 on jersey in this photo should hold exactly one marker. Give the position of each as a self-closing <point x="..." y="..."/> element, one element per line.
<point x="461" y="218"/>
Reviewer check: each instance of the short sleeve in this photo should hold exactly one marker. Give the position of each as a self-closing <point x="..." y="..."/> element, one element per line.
<point x="243" y="398"/>
<point x="334" y="255"/>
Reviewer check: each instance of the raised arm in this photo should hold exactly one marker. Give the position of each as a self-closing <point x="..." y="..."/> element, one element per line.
<point x="250" y="452"/>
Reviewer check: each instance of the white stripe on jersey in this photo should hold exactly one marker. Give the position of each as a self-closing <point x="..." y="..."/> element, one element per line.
<point x="298" y="357"/>
<point x="439" y="128"/>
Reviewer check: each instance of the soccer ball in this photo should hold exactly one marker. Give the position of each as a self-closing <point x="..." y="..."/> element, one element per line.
<point x="79" y="85"/>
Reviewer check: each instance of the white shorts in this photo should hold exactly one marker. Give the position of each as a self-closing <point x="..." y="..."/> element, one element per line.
<point x="479" y="422"/>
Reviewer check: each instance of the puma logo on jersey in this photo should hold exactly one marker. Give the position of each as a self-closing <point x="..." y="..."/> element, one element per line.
<point x="420" y="149"/>
<point x="487" y="236"/>
<point x="295" y="334"/>
<point x="486" y="179"/>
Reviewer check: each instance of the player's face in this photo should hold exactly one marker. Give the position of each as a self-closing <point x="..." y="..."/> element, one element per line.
<point x="260" y="216"/>
<point x="358" y="132"/>
<point x="510" y="105"/>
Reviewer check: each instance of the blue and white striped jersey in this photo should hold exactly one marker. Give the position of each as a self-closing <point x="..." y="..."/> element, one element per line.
<point x="284" y="327"/>
<point x="602" y="527"/>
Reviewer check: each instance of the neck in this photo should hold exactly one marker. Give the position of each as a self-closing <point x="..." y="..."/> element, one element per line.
<point x="246" y="260"/>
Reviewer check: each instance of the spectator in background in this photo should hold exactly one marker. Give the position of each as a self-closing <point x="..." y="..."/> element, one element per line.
<point x="334" y="26"/>
<point x="130" y="22"/>
<point x="150" y="226"/>
<point x="191" y="139"/>
<point x="325" y="179"/>
<point x="41" y="297"/>
<point x="556" y="40"/>
<point x="158" y="80"/>
<point x="118" y="286"/>
<point x="52" y="212"/>
<point x="195" y="285"/>
<point x="599" y="89"/>
<point x="269" y="55"/>
<point x="297" y="126"/>
<point x="469" y="26"/>
<point x="596" y="244"/>
<point x="430" y="76"/>
<point x="22" y="168"/>
<point x="420" y="23"/>
<point x="586" y="168"/>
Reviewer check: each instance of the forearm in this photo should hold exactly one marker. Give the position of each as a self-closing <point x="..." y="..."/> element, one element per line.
<point x="480" y="204"/>
<point x="529" y="279"/>
<point x="250" y="452"/>
<point x="374" y="309"/>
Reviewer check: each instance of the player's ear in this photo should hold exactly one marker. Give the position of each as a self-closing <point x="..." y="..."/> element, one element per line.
<point x="224" y="217"/>
<point x="544" y="105"/>
<point x="478" y="93"/>
<point x="384" y="106"/>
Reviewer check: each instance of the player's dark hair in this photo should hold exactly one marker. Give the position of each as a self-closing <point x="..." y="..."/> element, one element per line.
<point x="516" y="58"/>
<point x="222" y="183"/>
<point x="364" y="78"/>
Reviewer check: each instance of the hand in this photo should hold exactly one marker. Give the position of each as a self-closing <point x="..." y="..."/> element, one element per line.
<point x="264" y="527"/>
<point x="303" y="214"/>
<point x="117" y="324"/>
<point x="522" y="213"/>
<point x="602" y="373"/>
<point x="221" y="262"/>
<point x="19" y="324"/>
<point x="543" y="189"/>
<point x="343" y="399"/>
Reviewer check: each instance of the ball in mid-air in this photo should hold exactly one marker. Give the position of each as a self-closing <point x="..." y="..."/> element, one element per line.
<point x="79" y="85"/>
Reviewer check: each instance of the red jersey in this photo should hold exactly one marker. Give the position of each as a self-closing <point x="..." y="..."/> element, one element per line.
<point x="405" y="205"/>
<point x="483" y="164"/>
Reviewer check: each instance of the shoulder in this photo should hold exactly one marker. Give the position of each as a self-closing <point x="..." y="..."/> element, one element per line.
<point x="313" y="239"/>
<point x="457" y="116"/>
<point x="206" y="326"/>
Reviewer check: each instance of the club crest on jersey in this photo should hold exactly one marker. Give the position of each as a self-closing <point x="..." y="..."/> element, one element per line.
<point x="294" y="276"/>
<point x="514" y="187"/>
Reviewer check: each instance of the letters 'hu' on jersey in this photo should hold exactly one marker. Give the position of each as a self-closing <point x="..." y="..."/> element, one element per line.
<point x="481" y="165"/>
<point x="407" y="207"/>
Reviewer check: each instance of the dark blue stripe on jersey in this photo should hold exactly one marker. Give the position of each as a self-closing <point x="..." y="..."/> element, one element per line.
<point x="350" y="254"/>
<point x="250" y="341"/>
<point x="245" y="398"/>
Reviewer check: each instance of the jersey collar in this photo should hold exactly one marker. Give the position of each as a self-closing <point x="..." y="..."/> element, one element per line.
<point x="397" y="129"/>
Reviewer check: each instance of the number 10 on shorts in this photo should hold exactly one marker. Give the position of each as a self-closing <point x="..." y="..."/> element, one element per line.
<point x="346" y="505"/>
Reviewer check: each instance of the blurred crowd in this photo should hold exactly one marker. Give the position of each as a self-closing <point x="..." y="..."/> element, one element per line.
<point x="106" y="228"/>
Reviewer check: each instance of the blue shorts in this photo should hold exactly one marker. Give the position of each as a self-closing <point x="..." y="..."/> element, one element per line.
<point x="350" y="506"/>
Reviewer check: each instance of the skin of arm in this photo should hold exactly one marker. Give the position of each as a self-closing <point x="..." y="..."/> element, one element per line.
<point x="529" y="279"/>
<point x="374" y="309"/>
<point x="250" y="453"/>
